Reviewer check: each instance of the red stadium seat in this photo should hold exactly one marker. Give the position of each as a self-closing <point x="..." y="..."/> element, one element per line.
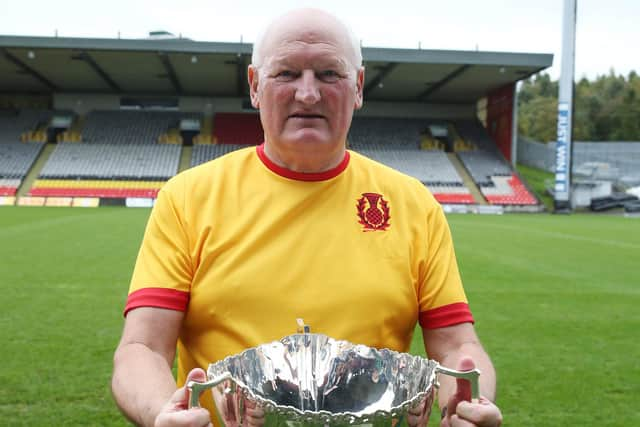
<point x="114" y="193"/>
<point x="519" y="194"/>
<point x="8" y="191"/>
<point x="454" y="199"/>
<point x="238" y="128"/>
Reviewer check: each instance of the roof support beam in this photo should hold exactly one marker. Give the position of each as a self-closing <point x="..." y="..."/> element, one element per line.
<point x="384" y="72"/>
<point x="242" y="75"/>
<point x="98" y="70"/>
<point x="171" y="72"/>
<point x="27" y="69"/>
<point x="431" y="89"/>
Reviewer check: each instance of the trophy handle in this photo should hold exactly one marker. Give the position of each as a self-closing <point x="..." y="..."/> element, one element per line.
<point x="196" y="388"/>
<point x="472" y="376"/>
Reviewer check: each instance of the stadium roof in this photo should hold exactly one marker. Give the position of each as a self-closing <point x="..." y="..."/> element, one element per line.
<point x="171" y="67"/>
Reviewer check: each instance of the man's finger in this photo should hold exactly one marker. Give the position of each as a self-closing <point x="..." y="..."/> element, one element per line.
<point x="463" y="387"/>
<point x="198" y="417"/>
<point x="197" y="374"/>
<point x="181" y="397"/>
<point x="456" y="421"/>
<point x="480" y="413"/>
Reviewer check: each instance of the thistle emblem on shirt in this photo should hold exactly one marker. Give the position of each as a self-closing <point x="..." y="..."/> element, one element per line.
<point x="373" y="211"/>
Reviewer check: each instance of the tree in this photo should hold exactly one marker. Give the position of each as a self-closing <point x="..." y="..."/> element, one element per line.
<point x="606" y="109"/>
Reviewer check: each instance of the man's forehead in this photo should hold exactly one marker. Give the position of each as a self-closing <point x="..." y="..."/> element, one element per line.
<point x="317" y="33"/>
<point x="312" y="53"/>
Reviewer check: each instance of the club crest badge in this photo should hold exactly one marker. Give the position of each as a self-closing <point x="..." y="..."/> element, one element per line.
<point x="373" y="212"/>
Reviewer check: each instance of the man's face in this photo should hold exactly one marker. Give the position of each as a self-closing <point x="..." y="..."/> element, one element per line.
<point x="306" y="89"/>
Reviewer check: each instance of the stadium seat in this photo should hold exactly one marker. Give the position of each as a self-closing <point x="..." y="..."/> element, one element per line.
<point x="508" y="190"/>
<point x="203" y="153"/>
<point x="454" y="199"/>
<point x="112" y="161"/>
<point x="238" y="129"/>
<point x="15" y="161"/>
<point x="95" y="188"/>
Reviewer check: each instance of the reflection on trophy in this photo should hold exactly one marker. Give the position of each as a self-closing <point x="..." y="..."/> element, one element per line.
<point x="310" y="379"/>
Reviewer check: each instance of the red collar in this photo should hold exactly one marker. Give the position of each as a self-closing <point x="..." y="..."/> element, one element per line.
<point x="301" y="176"/>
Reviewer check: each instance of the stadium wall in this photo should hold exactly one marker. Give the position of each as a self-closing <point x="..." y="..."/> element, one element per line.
<point x="418" y="110"/>
<point x="83" y="103"/>
<point x="500" y="118"/>
<point x="623" y="156"/>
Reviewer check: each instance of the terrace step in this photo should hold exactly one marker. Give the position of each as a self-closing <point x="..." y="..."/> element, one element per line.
<point x="466" y="179"/>
<point x="185" y="158"/>
<point x="33" y="173"/>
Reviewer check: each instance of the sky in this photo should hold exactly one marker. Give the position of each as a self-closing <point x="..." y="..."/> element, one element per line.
<point x="606" y="35"/>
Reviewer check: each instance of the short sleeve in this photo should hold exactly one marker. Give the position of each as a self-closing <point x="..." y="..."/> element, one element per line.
<point x="163" y="270"/>
<point x="442" y="300"/>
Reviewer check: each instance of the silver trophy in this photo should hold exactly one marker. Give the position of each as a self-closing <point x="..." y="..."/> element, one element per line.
<point x="309" y="379"/>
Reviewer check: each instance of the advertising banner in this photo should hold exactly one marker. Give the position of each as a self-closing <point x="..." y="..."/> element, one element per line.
<point x="85" y="202"/>
<point x="139" y="202"/>
<point x="563" y="153"/>
<point x="31" y="201"/>
<point x="58" y="201"/>
<point x="7" y="200"/>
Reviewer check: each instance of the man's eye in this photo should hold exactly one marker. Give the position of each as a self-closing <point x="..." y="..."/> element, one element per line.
<point x="328" y="76"/>
<point x="285" y="75"/>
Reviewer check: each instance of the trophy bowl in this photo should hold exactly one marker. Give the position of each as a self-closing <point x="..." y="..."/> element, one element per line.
<point x="314" y="380"/>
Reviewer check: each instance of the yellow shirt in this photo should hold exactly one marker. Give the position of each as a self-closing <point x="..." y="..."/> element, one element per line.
<point x="361" y="253"/>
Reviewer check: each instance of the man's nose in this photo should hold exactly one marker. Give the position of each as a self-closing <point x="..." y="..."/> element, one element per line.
<point x="307" y="90"/>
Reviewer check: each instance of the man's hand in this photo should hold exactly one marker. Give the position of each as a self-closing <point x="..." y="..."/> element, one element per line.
<point x="461" y="412"/>
<point x="177" y="413"/>
<point x="419" y="415"/>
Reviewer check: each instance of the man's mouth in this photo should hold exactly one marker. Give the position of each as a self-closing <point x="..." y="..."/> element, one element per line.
<point x="306" y="116"/>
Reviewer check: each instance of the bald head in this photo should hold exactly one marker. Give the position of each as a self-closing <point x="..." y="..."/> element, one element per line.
<point x="309" y="26"/>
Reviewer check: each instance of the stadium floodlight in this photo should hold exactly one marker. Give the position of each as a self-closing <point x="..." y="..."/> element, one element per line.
<point x="564" y="145"/>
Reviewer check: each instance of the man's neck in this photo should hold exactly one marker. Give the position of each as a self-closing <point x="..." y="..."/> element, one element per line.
<point x="305" y="161"/>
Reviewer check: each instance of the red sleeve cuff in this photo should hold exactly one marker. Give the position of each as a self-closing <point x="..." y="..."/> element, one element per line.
<point x="447" y="315"/>
<point x="157" y="297"/>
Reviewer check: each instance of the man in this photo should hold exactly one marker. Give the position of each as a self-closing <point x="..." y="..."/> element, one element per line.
<point x="299" y="227"/>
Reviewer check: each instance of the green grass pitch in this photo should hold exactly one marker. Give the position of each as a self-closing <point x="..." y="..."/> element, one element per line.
<point x="556" y="300"/>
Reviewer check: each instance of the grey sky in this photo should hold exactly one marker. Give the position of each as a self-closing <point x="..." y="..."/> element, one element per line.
<point x="606" y="35"/>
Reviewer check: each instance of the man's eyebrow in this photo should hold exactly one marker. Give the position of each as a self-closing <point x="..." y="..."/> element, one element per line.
<point x="286" y="61"/>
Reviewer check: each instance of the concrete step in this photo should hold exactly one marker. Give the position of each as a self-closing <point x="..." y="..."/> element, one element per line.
<point x="185" y="158"/>
<point x="466" y="179"/>
<point x="33" y="173"/>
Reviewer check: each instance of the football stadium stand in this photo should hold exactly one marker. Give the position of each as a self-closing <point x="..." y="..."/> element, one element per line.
<point x="14" y="125"/>
<point x="432" y="168"/>
<point x="193" y="105"/>
<point x="112" y="161"/>
<point x="128" y="127"/>
<point x="385" y="133"/>
<point x="127" y="153"/>
<point x="474" y="133"/>
<point x="203" y="153"/>
<point x="96" y="188"/>
<point x="107" y="170"/>
<point x="16" y="158"/>
<point x="496" y="179"/>
<point x="408" y="146"/>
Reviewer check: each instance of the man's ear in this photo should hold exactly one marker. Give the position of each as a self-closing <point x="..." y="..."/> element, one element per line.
<point x="252" y="77"/>
<point x="359" y="88"/>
